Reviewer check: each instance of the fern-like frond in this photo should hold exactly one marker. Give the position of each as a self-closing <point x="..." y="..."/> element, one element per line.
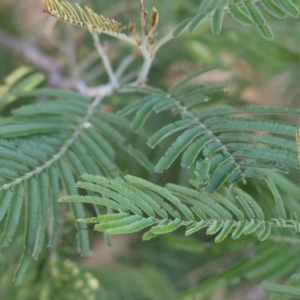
<point x="45" y="146"/>
<point x="245" y="12"/>
<point x="142" y="204"/>
<point x="231" y="145"/>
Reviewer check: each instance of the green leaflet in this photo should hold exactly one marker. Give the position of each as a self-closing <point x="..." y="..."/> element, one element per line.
<point x="247" y="208"/>
<point x="252" y="226"/>
<point x="43" y="188"/>
<point x="225" y="231"/>
<point x="231" y="206"/>
<point x="190" y="155"/>
<point x="93" y="200"/>
<point x="54" y="210"/>
<point x="76" y="208"/>
<point x="239" y="230"/>
<point x="204" y="6"/>
<point x="117" y="223"/>
<point x="31" y="212"/>
<point x="265" y="31"/>
<point x="170" y="129"/>
<point x="136" y="226"/>
<point x="241" y="124"/>
<point x="16" y="130"/>
<point x="9" y="174"/>
<point x="165" y="206"/>
<point x="217" y="20"/>
<point x="102" y="143"/>
<point x="88" y="162"/>
<point x="65" y="107"/>
<point x="110" y="194"/>
<point x="144" y="112"/>
<point x="5" y="197"/>
<point x="215" y="227"/>
<point x="220" y="175"/>
<point x="13" y="215"/>
<point x="22" y="268"/>
<point x="277" y="198"/>
<point x="289" y="7"/>
<point x="107" y="130"/>
<point x="121" y="188"/>
<point x="133" y="106"/>
<point x="196" y="228"/>
<point x="269" y="110"/>
<point x="148" y="203"/>
<point x="254" y="13"/>
<point x="265" y="232"/>
<point x="177" y="147"/>
<point x="53" y="93"/>
<point x="239" y="15"/>
<point x="171" y="226"/>
<point x="215" y="111"/>
<point x="105" y="218"/>
<point x="273" y="8"/>
<point x="285" y="290"/>
<point x="161" y="191"/>
<point x="257" y="18"/>
<point x="31" y="223"/>
<point x="98" y="155"/>
<point x="296" y="225"/>
<point x="202" y="171"/>
<point x="180" y="28"/>
<point x="273" y="141"/>
<point x="195" y="22"/>
<point x="200" y="212"/>
<point x="164" y="105"/>
<point x="258" y="211"/>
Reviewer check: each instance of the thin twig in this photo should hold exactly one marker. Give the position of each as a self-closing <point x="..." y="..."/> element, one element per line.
<point x="30" y="53"/>
<point x="112" y="77"/>
<point x="148" y="59"/>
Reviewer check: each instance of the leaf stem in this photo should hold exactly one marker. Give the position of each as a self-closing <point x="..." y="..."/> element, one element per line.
<point x="112" y="77"/>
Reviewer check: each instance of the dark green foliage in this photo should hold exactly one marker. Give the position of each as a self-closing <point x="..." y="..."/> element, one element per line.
<point x="225" y="161"/>
<point x="46" y="144"/>
<point x="195" y="209"/>
<point x="246" y="12"/>
<point x="235" y="146"/>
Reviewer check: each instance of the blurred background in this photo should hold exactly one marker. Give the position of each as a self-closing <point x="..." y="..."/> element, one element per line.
<point x="63" y="56"/>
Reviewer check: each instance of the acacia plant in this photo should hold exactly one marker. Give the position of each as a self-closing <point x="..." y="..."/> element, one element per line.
<point x="206" y="179"/>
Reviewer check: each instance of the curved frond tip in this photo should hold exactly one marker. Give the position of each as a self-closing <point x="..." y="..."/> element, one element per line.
<point x="84" y="18"/>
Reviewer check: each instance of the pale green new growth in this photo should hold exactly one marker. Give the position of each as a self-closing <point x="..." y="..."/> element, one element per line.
<point x="84" y="18"/>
